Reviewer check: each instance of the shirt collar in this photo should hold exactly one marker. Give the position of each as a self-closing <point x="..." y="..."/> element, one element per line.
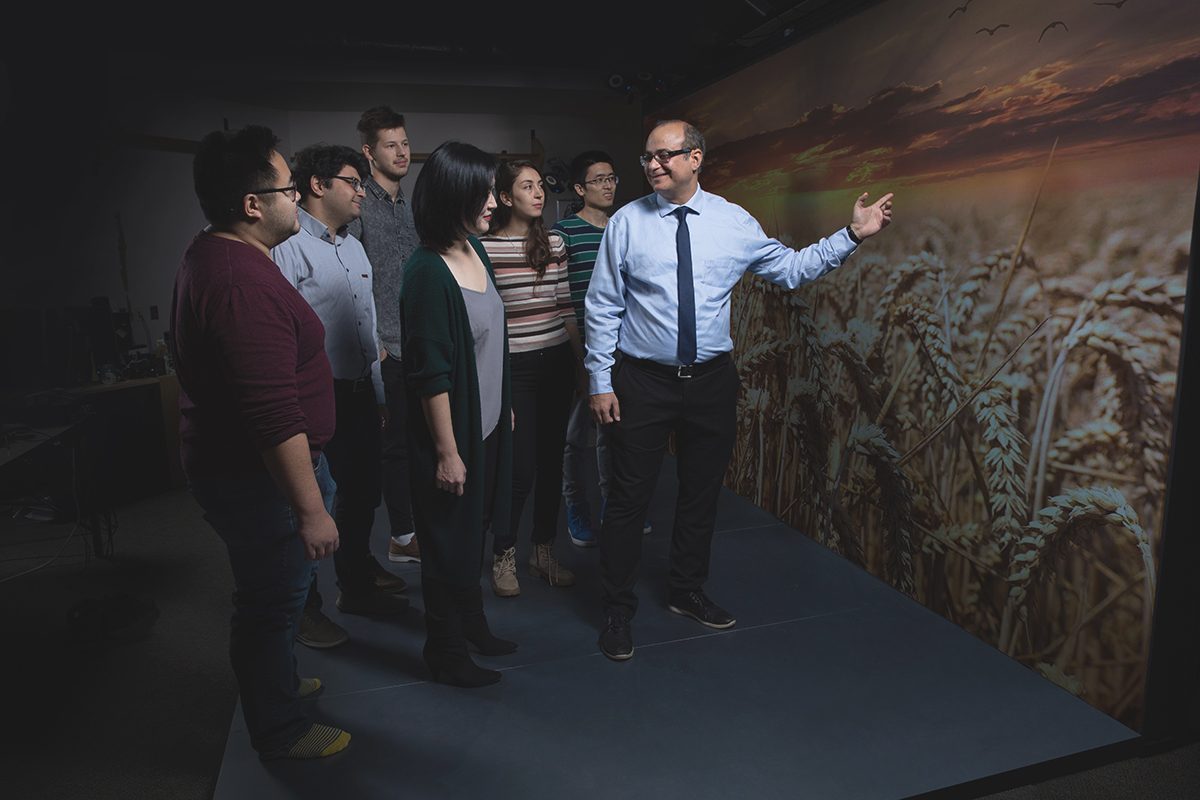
<point x="696" y="203"/>
<point x="318" y="229"/>
<point x="381" y="193"/>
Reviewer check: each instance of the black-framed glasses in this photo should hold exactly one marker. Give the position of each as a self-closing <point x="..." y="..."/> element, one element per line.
<point x="290" y="190"/>
<point x="604" y="180"/>
<point x="662" y="156"/>
<point x="355" y="183"/>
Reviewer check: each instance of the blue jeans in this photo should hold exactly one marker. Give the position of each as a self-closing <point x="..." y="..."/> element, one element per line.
<point x="585" y="440"/>
<point x="271" y="573"/>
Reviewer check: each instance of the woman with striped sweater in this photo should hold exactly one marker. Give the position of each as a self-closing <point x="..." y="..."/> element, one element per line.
<point x="544" y="356"/>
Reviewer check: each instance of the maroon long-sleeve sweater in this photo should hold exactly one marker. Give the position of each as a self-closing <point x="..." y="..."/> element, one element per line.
<point x="250" y="356"/>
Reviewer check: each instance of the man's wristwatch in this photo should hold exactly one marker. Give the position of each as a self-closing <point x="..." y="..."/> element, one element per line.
<point x="853" y="238"/>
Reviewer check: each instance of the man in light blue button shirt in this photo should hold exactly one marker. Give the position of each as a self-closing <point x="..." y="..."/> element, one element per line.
<point x="331" y="271"/>
<point x="657" y="318"/>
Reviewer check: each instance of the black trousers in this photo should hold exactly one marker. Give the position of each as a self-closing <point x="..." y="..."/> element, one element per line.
<point x="396" y="493"/>
<point x="702" y="413"/>
<point x="354" y="455"/>
<point x="459" y="563"/>
<point x="542" y="387"/>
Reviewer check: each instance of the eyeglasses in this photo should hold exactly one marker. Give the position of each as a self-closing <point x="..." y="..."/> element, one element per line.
<point x="289" y="190"/>
<point x="604" y="180"/>
<point x="662" y="156"/>
<point x="355" y="183"/>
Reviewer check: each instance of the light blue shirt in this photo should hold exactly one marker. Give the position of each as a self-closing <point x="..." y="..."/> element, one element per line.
<point x="632" y="303"/>
<point x="331" y="272"/>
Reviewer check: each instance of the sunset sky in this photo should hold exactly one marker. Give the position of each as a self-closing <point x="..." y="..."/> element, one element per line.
<point x="903" y="95"/>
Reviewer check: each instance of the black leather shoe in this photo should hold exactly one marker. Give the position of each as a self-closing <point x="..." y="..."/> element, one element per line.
<point x="371" y="603"/>
<point x="697" y="606"/>
<point x="616" y="640"/>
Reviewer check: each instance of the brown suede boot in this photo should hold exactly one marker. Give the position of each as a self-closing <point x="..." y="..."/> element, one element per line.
<point x="504" y="574"/>
<point x="543" y="564"/>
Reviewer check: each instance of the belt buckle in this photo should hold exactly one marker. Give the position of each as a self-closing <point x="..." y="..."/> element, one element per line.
<point x="684" y="371"/>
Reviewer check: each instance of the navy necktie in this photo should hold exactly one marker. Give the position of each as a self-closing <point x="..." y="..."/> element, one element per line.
<point x="685" y="351"/>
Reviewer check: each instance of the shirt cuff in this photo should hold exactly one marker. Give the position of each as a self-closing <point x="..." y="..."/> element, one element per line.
<point x="600" y="382"/>
<point x="844" y="243"/>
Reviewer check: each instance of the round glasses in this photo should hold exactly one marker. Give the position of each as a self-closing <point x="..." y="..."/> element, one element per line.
<point x="604" y="180"/>
<point x="291" y="191"/>
<point x="355" y="183"/>
<point x="662" y="156"/>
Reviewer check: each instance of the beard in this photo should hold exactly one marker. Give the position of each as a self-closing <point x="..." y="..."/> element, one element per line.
<point x="391" y="173"/>
<point x="283" y="222"/>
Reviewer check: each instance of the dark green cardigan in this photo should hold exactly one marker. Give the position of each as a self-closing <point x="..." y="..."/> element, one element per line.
<point x="439" y="356"/>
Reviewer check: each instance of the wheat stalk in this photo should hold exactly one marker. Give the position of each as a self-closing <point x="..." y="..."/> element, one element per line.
<point x="754" y="358"/>
<point x="1162" y="297"/>
<point x="900" y="281"/>
<point x="1138" y="412"/>
<point x="833" y="522"/>
<point x="1004" y="462"/>
<point x="1012" y="267"/>
<point x="870" y="441"/>
<point x="1068" y="515"/>
<point x="841" y="347"/>
<point x="1097" y="436"/>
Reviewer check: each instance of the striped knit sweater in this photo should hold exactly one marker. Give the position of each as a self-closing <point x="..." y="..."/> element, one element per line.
<point x="535" y="307"/>
<point x="583" y="245"/>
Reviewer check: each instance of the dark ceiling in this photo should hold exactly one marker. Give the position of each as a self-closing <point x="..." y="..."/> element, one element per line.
<point x="655" y="50"/>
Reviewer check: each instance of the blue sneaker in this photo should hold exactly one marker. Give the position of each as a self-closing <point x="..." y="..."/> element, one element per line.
<point x="578" y="526"/>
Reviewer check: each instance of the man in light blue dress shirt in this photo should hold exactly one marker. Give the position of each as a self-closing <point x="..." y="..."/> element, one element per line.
<point x="331" y="271"/>
<point x="657" y="318"/>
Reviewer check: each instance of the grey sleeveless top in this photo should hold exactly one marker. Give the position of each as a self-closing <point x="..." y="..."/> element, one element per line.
<point x="486" y="312"/>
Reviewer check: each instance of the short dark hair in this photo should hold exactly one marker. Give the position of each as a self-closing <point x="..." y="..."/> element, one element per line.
<point x="228" y="165"/>
<point x="374" y="120"/>
<point x="581" y="163"/>
<point x="324" y="161"/>
<point x="451" y="189"/>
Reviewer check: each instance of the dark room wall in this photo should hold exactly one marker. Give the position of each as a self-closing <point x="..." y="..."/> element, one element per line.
<point x="135" y="160"/>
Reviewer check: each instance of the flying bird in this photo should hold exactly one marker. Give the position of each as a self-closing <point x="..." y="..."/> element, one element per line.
<point x="962" y="8"/>
<point x="992" y="31"/>
<point x="1117" y="4"/>
<point x="1057" y="23"/>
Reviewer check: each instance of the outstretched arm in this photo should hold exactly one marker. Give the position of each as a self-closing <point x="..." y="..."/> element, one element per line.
<point x="790" y="268"/>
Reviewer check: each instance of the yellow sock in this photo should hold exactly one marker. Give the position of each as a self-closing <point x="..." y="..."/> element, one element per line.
<point x="309" y="686"/>
<point x="320" y="741"/>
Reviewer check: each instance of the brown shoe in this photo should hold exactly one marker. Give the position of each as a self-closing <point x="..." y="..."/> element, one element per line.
<point x="319" y="631"/>
<point x="504" y="574"/>
<point x="404" y="552"/>
<point x="543" y="564"/>
<point x="386" y="581"/>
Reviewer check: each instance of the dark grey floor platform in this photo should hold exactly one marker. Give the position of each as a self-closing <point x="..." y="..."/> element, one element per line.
<point x="831" y="686"/>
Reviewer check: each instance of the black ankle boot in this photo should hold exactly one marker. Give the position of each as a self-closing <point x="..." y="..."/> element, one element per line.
<point x="445" y="649"/>
<point x="469" y="603"/>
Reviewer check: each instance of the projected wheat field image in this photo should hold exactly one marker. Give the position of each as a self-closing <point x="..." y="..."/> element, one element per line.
<point x="978" y="407"/>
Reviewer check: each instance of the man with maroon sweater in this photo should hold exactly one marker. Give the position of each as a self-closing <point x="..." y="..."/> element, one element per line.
<point x="256" y="407"/>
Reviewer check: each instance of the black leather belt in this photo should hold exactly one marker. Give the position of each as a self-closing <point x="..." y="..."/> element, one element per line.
<point x="679" y="372"/>
<point x="354" y="386"/>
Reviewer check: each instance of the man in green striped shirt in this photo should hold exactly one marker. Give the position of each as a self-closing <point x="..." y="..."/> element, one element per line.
<point x="593" y="179"/>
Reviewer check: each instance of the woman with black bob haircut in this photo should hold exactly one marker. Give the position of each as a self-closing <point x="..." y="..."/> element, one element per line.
<point x="455" y="361"/>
